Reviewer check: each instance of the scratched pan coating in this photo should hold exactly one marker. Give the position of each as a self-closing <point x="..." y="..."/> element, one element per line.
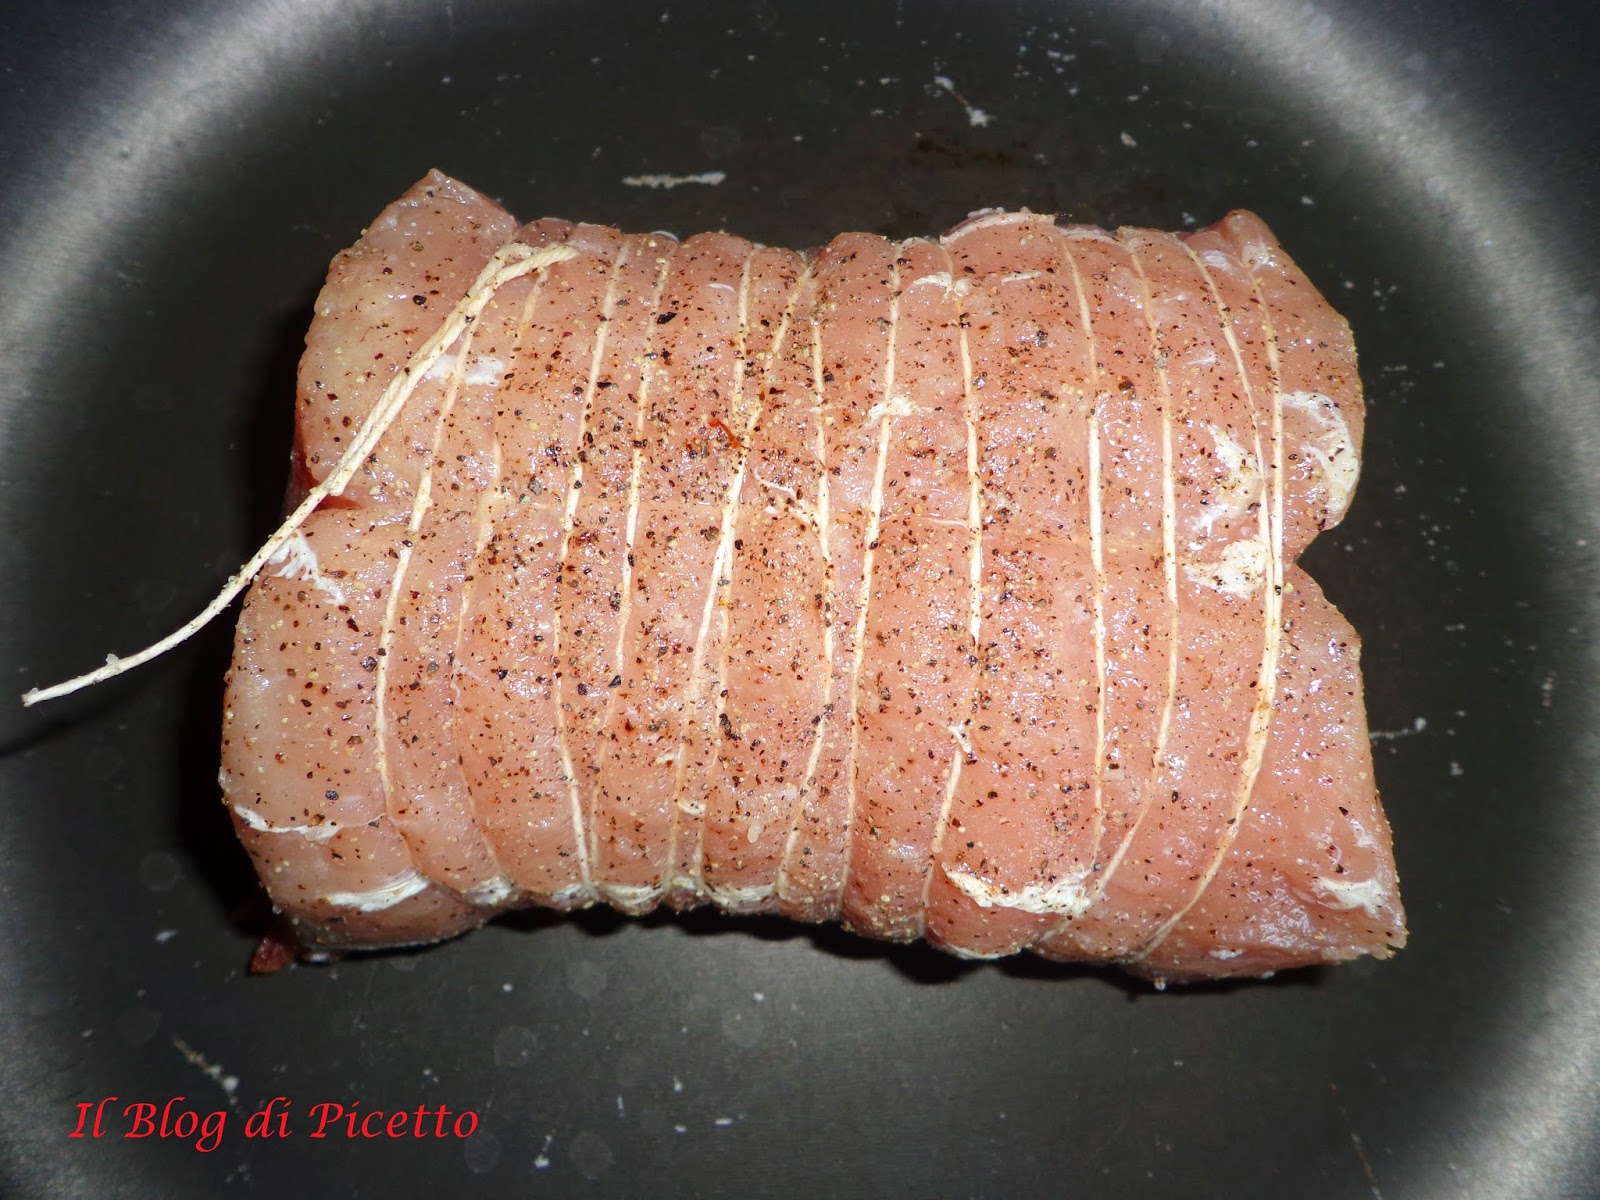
<point x="177" y="176"/>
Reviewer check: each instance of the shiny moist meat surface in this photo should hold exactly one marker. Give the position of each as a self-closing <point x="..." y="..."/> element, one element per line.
<point x="943" y="587"/>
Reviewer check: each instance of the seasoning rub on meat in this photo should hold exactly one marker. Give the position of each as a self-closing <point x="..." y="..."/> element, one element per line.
<point x="943" y="587"/>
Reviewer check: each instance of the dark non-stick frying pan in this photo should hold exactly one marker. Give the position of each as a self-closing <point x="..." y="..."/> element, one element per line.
<point x="173" y="179"/>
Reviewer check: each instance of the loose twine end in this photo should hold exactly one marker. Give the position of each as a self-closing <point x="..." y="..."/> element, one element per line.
<point x="512" y="261"/>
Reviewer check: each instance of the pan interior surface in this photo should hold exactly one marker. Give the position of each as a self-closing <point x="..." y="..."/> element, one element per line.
<point x="178" y="176"/>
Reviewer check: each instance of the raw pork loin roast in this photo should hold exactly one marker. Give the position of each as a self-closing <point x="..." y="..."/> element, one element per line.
<point x="942" y="587"/>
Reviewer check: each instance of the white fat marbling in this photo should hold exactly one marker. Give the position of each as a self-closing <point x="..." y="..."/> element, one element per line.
<point x="312" y="833"/>
<point x="296" y="559"/>
<point x="1370" y="895"/>
<point x="1240" y="571"/>
<point x="1330" y="446"/>
<point x="386" y="895"/>
<point x="1067" y="897"/>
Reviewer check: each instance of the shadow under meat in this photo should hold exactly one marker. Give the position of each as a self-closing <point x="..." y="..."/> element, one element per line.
<point x="917" y="961"/>
<point x="203" y="826"/>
